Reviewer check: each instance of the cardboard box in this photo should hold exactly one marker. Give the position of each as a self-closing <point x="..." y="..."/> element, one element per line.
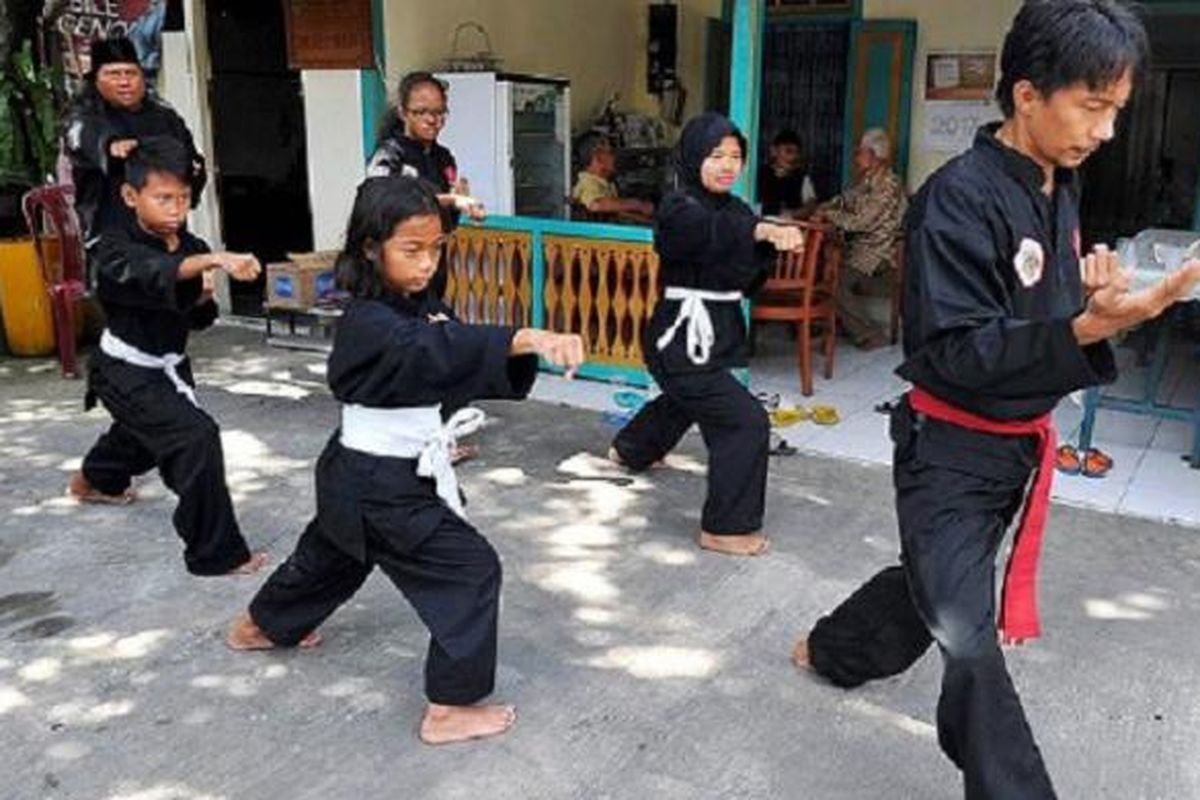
<point x="301" y="282"/>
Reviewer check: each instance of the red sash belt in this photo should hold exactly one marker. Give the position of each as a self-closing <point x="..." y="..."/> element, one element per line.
<point x="1018" y="613"/>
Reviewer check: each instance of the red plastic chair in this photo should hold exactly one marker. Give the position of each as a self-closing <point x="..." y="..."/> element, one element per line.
<point x="50" y="215"/>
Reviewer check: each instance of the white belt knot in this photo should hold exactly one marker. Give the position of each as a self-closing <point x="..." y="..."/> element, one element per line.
<point x="434" y="460"/>
<point x="700" y="333"/>
<point x="417" y="433"/>
<point x="113" y="346"/>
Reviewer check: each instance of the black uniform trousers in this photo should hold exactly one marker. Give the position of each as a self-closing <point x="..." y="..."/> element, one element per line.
<point x="156" y="426"/>
<point x="452" y="579"/>
<point x="951" y="525"/>
<point x="736" y="431"/>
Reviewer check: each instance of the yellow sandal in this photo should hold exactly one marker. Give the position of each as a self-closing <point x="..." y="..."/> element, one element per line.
<point x="825" y="415"/>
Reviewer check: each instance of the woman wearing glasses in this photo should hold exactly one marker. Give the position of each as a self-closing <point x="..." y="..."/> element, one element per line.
<point x="408" y="146"/>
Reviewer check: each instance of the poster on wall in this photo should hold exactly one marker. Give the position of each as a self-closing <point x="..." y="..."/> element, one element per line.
<point x="950" y="125"/>
<point x="329" y="34"/>
<point x="958" y="98"/>
<point x="960" y="76"/>
<point x="79" y="22"/>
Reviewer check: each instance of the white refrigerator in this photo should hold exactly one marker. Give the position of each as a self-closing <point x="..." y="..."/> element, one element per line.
<point x="511" y="137"/>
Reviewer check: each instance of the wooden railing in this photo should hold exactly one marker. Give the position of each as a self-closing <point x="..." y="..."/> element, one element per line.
<point x="600" y="281"/>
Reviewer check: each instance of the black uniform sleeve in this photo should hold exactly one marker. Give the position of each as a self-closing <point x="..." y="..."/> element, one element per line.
<point x="719" y="241"/>
<point x="970" y="343"/>
<point x="385" y="359"/>
<point x="85" y="142"/>
<point x="135" y="275"/>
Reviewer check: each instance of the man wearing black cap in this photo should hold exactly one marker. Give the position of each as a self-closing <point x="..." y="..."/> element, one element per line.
<point x="107" y="118"/>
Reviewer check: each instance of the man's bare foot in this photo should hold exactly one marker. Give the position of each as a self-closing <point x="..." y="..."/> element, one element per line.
<point x="800" y="654"/>
<point x="615" y="457"/>
<point x="745" y="544"/>
<point x="251" y="565"/>
<point x="82" y="491"/>
<point x="244" y="634"/>
<point x="446" y="724"/>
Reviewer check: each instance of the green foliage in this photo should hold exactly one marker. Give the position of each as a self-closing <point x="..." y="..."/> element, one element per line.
<point x="29" y="119"/>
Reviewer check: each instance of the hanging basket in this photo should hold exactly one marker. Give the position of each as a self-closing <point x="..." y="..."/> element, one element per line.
<point x="483" y="60"/>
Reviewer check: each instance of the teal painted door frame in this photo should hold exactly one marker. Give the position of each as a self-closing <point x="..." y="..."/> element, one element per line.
<point x="745" y="82"/>
<point x="875" y="106"/>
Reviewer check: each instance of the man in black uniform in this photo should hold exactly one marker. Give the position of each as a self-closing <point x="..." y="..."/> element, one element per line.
<point x="1003" y="318"/>
<point x="108" y="117"/>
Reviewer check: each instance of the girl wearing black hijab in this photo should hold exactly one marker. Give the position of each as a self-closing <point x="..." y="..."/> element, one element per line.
<point x="713" y="251"/>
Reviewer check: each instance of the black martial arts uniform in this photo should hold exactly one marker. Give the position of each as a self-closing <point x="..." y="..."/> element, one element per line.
<point x="92" y="125"/>
<point x="990" y="292"/>
<point x="399" y="154"/>
<point x="375" y="509"/>
<point x="705" y="242"/>
<point x="155" y="423"/>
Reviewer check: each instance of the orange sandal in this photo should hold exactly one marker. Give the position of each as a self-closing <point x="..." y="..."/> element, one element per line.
<point x="1066" y="460"/>
<point x="1096" y="464"/>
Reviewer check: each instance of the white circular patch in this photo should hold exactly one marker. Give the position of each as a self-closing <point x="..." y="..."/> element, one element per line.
<point x="1030" y="262"/>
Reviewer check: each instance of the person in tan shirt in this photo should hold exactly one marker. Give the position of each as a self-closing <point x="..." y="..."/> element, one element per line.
<point x="595" y="191"/>
<point x="871" y="214"/>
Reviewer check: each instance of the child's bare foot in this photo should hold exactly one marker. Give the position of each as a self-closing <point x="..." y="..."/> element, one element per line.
<point x="463" y="452"/>
<point x="251" y="565"/>
<point x="800" y="654"/>
<point x="82" y="491"/>
<point x="446" y="724"/>
<point x="744" y="544"/>
<point x="244" y="634"/>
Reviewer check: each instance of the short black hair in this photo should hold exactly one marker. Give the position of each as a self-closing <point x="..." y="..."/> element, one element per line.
<point x="380" y="205"/>
<point x="591" y="144"/>
<point x="164" y="154"/>
<point x="786" y="136"/>
<point x="1054" y="44"/>
<point x="414" y="79"/>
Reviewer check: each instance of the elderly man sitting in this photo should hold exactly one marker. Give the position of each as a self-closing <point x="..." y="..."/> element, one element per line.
<point x="595" y="191"/>
<point x="871" y="214"/>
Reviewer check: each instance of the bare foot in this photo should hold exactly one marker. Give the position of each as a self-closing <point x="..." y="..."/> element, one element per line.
<point x="464" y="452"/>
<point x="446" y="724"/>
<point x="253" y="564"/>
<point x="244" y="634"/>
<point x="83" y="492"/>
<point x="745" y="544"/>
<point x="615" y="457"/>
<point x="800" y="654"/>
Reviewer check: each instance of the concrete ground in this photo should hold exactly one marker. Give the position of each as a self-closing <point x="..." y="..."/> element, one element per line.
<point x="641" y="667"/>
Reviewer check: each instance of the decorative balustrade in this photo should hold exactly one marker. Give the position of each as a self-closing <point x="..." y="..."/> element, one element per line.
<point x="600" y="281"/>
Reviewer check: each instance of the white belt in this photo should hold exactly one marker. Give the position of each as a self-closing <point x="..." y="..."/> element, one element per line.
<point x="700" y="333"/>
<point x="413" y="433"/>
<point x="112" y="345"/>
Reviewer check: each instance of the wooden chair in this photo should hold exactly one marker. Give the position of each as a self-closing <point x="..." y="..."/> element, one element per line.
<point x="50" y="215"/>
<point x="897" y="288"/>
<point x="801" y="290"/>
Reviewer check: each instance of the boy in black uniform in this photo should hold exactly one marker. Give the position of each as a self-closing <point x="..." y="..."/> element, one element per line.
<point x="153" y="279"/>
<point x="1002" y="319"/>
<point x="386" y="493"/>
<point x="107" y="119"/>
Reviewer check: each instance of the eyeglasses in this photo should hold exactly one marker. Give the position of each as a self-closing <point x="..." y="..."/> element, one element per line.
<point x="431" y="113"/>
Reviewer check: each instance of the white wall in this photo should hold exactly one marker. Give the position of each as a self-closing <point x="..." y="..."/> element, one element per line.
<point x="942" y="25"/>
<point x="599" y="45"/>
<point x="334" y="138"/>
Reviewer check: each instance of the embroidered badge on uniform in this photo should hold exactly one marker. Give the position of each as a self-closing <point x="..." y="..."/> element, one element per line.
<point x="409" y="171"/>
<point x="1030" y="262"/>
